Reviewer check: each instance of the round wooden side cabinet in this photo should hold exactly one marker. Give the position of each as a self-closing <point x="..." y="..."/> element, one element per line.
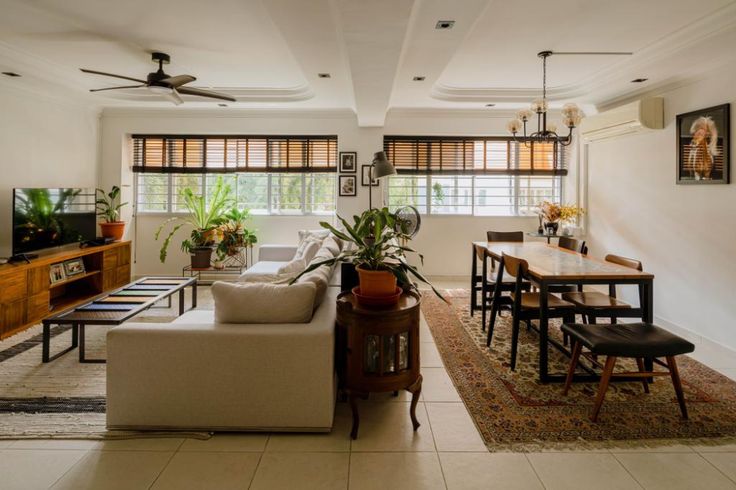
<point x="378" y="350"/>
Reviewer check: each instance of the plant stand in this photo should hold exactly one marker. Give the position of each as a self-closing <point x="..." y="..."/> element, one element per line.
<point x="377" y="350"/>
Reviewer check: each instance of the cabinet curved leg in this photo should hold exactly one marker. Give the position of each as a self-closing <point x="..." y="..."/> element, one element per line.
<point x="356" y="417"/>
<point x="415" y="390"/>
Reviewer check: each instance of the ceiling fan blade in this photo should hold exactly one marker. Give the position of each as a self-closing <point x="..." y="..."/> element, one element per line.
<point x="94" y="72"/>
<point x="173" y="96"/>
<point x="116" y="88"/>
<point x="178" y="80"/>
<point x="205" y="93"/>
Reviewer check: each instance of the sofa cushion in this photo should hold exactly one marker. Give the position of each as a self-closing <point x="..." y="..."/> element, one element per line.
<point x="294" y="266"/>
<point x="331" y="244"/>
<point x="319" y="234"/>
<point x="263" y="302"/>
<point x="308" y="249"/>
<point x="265" y="267"/>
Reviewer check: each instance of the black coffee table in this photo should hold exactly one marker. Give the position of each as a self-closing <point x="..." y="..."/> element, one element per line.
<point x="114" y="308"/>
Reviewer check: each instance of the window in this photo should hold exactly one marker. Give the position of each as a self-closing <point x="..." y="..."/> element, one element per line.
<point x="262" y="193"/>
<point x="491" y="176"/>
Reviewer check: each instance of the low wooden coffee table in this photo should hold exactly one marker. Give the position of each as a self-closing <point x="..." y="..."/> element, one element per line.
<point x="114" y="308"/>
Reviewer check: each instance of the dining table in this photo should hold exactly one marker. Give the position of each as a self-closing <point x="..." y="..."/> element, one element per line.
<point x="551" y="265"/>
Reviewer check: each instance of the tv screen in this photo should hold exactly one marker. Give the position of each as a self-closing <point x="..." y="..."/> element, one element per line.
<point x="44" y="218"/>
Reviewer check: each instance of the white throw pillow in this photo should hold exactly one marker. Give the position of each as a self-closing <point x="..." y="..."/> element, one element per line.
<point x="319" y="234"/>
<point x="263" y="303"/>
<point x="294" y="266"/>
<point x="307" y="250"/>
<point x="331" y="245"/>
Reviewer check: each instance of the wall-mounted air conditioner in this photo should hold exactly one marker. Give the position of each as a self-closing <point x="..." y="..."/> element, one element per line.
<point x="635" y="117"/>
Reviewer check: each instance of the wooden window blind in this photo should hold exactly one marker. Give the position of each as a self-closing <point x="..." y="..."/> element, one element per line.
<point x="474" y="155"/>
<point x="230" y="154"/>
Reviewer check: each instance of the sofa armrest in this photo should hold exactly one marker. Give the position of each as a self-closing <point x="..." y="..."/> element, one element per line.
<point x="276" y="253"/>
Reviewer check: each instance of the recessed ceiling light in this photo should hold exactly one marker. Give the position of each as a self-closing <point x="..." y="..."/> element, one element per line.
<point x="324" y="75"/>
<point x="222" y="105"/>
<point x="10" y="74"/>
<point x="418" y="79"/>
<point x="490" y="105"/>
<point x="444" y="24"/>
<point x="639" y="80"/>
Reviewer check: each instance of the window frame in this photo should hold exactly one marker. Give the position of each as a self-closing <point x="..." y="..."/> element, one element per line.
<point x="269" y="209"/>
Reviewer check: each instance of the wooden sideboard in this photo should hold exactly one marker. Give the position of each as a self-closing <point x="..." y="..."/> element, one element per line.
<point x="27" y="295"/>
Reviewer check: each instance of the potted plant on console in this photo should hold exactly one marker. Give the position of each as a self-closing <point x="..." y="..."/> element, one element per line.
<point x="205" y="218"/>
<point x="378" y="252"/>
<point x="108" y="207"/>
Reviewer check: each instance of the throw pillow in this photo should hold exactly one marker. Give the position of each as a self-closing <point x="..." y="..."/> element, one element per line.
<point x="307" y="250"/>
<point x="331" y="244"/>
<point x="319" y="234"/>
<point x="263" y="303"/>
<point x="294" y="266"/>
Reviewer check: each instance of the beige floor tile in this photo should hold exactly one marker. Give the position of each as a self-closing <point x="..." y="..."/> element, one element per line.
<point x="208" y="470"/>
<point x="571" y="471"/>
<point x="166" y="444"/>
<point x="395" y="471"/>
<point x="714" y="448"/>
<point x="109" y="470"/>
<point x="425" y="334"/>
<point x="56" y="444"/>
<point x="338" y="440"/>
<point x="429" y="355"/>
<point x="488" y="471"/>
<point x="674" y="471"/>
<point x="6" y="443"/>
<point x="305" y="471"/>
<point x="653" y="448"/>
<point x="387" y="427"/>
<point x="726" y="462"/>
<point x="453" y="428"/>
<point x="437" y="386"/>
<point x="228" y="442"/>
<point x="35" y="468"/>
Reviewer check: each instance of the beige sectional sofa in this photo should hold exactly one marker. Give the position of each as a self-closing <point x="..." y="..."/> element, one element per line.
<point x="197" y="374"/>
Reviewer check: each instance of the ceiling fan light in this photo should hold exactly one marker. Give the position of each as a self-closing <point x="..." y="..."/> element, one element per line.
<point x="514" y="126"/>
<point x="160" y="89"/>
<point x="539" y="106"/>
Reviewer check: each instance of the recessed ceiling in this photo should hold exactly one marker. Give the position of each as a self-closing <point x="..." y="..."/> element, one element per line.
<point x="274" y="53"/>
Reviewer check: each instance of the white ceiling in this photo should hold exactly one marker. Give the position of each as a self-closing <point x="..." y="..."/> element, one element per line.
<point x="267" y="53"/>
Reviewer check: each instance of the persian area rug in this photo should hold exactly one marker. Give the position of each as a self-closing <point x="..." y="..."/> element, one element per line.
<point x="512" y="410"/>
<point x="62" y="399"/>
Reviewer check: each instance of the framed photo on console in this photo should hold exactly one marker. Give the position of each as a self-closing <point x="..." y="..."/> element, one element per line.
<point x="348" y="162"/>
<point x="74" y="267"/>
<point x="56" y="273"/>
<point x="704" y="146"/>
<point x="366" y="177"/>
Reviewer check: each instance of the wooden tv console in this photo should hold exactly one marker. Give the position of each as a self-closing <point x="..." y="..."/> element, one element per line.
<point x="27" y="295"/>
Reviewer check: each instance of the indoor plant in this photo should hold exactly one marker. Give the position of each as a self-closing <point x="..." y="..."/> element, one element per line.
<point x="108" y="207"/>
<point x="234" y="234"/>
<point x="205" y="218"/>
<point x="379" y="258"/>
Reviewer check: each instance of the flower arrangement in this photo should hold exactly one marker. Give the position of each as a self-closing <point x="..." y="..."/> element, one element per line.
<point x="553" y="212"/>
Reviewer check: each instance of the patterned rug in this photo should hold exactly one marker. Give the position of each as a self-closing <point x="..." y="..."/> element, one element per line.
<point x="63" y="398"/>
<point x="512" y="410"/>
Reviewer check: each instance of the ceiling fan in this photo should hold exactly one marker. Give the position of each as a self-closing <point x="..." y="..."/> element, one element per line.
<point x="161" y="83"/>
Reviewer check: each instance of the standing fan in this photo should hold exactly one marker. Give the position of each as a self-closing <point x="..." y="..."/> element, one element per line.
<point x="408" y="221"/>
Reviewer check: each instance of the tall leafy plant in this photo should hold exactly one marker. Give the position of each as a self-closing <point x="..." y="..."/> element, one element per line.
<point x="108" y="204"/>
<point x="204" y="217"/>
<point x="379" y="238"/>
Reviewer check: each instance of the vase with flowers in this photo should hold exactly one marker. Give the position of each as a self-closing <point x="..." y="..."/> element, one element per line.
<point x="553" y="214"/>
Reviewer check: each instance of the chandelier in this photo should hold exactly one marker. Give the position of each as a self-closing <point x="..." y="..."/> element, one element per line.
<point x="546" y="131"/>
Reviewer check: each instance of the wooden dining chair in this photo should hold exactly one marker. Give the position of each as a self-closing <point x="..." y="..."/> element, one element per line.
<point x="489" y="279"/>
<point x="593" y="304"/>
<point x="573" y="244"/>
<point x="525" y="304"/>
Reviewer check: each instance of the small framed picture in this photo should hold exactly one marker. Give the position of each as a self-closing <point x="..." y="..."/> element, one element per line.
<point x="348" y="185"/>
<point x="74" y="267"/>
<point x="703" y="146"/>
<point x="366" y="177"/>
<point x="348" y="162"/>
<point x="56" y="273"/>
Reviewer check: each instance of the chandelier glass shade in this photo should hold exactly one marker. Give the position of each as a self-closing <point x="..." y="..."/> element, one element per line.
<point x="546" y="131"/>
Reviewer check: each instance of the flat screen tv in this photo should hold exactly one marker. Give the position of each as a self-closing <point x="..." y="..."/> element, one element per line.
<point x="45" y="218"/>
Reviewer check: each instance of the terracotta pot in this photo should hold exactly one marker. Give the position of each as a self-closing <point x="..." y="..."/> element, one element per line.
<point x="201" y="257"/>
<point x="376" y="283"/>
<point x="113" y="230"/>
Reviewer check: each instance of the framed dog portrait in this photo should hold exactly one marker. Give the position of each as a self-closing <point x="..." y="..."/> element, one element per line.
<point x="703" y="146"/>
<point x="348" y="185"/>
<point x="348" y="162"/>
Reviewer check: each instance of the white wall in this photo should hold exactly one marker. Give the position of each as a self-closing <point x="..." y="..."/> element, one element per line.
<point x="684" y="234"/>
<point x="445" y="241"/>
<point x="45" y="142"/>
